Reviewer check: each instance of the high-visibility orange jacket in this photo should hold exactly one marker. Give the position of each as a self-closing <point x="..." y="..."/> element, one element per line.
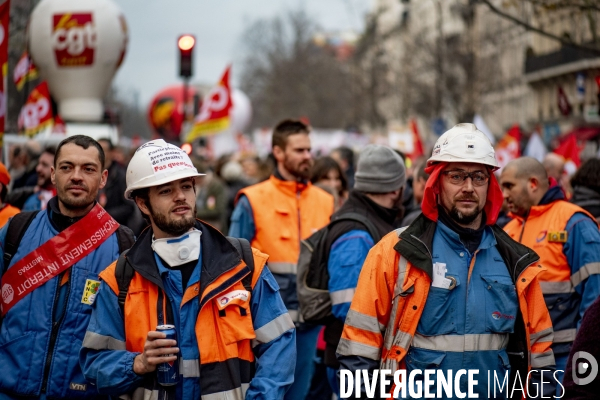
<point x="6" y="213"/>
<point x="284" y="213"/>
<point x="229" y="338"/>
<point x="375" y="336"/>
<point x="567" y="240"/>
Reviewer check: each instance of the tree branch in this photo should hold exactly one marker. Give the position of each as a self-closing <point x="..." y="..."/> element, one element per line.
<point x="532" y="28"/>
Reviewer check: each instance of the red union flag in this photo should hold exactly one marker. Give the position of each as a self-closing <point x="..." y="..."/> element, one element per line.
<point x="36" y="114"/>
<point x="73" y="39"/>
<point x="508" y="148"/>
<point x="24" y="71"/>
<point x="214" y="113"/>
<point x="4" y="13"/>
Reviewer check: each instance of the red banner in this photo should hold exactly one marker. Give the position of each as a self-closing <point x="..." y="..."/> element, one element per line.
<point x="36" y="113"/>
<point x="73" y="39"/>
<point x="4" y="21"/>
<point x="56" y="255"/>
<point x="508" y="148"/>
<point x="24" y="71"/>
<point x="214" y="114"/>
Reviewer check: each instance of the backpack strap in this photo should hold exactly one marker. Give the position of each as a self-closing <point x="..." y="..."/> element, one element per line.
<point x="16" y="229"/>
<point x="124" y="274"/>
<point x="125" y="238"/>
<point x="245" y="250"/>
<point x="352" y="216"/>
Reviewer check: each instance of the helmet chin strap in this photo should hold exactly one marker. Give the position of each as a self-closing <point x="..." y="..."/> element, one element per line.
<point x="179" y="250"/>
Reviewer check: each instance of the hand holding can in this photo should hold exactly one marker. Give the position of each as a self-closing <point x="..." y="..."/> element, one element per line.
<point x="158" y="349"/>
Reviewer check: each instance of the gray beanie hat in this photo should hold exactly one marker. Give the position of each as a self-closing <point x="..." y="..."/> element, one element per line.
<point x="380" y="170"/>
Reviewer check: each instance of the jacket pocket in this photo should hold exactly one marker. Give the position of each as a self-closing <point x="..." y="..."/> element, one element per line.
<point x="501" y="304"/>
<point x="234" y="319"/>
<point x="439" y="313"/>
<point x="16" y="361"/>
<point x="423" y="360"/>
<point x="283" y="223"/>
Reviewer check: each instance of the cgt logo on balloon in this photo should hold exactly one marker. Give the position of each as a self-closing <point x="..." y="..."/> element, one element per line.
<point x="73" y="39"/>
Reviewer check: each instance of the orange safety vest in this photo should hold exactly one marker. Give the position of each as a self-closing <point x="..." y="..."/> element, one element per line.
<point x="221" y="339"/>
<point x="544" y="232"/>
<point x="286" y="212"/>
<point x="6" y="213"/>
<point x="384" y="290"/>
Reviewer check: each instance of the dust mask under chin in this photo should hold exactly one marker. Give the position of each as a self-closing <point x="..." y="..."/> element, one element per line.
<point x="179" y="250"/>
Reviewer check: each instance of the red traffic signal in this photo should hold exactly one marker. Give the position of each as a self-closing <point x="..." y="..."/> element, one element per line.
<point x="186" y="49"/>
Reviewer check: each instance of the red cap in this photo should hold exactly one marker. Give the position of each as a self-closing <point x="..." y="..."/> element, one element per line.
<point x="4" y="175"/>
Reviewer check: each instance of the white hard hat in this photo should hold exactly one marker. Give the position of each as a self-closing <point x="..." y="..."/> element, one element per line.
<point x="156" y="163"/>
<point x="464" y="143"/>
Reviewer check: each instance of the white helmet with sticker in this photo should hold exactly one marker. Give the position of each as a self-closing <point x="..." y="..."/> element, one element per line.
<point x="156" y="163"/>
<point x="464" y="143"/>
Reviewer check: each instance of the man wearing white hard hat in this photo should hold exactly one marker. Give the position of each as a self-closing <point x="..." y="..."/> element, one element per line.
<point x="231" y="324"/>
<point x="452" y="292"/>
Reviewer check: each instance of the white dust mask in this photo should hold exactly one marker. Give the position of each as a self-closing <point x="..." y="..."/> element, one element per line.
<point x="179" y="250"/>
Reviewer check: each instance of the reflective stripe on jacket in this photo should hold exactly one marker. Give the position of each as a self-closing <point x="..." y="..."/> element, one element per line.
<point x="227" y="345"/>
<point x="568" y="261"/>
<point x="284" y="213"/>
<point x="385" y="280"/>
<point x="25" y="335"/>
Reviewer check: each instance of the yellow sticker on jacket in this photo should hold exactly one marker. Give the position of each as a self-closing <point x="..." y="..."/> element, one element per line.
<point x="238" y="297"/>
<point x="557" y="237"/>
<point x="89" y="292"/>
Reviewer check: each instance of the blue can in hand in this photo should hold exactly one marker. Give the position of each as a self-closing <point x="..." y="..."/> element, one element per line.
<point x="168" y="373"/>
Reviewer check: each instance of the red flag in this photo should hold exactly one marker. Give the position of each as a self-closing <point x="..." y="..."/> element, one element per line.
<point x="59" y="125"/>
<point x="36" y="114"/>
<point x="24" y="71"/>
<point x="4" y="19"/>
<point x="417" y="143"/>
<point x="507" y="148"/>
<point x="570" y="150"/>
<point x="214" y="113"/>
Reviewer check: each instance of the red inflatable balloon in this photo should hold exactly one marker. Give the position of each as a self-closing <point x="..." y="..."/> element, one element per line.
<point x="166" y="111"/>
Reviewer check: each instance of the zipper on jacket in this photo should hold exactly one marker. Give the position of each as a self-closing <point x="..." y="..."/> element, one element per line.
<point x="298" y="193"/>
<point x="523" y="228"/>
<point x="55" y="328"/>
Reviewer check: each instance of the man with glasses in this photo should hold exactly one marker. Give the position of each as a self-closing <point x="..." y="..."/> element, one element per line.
<point x="452" y="291"/>
<point x="567" y="239"/>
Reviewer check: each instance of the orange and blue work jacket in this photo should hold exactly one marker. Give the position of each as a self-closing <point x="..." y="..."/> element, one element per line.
<point x="275" y="215"/>
<point x="567" y="239"/>
<point x="489" y="318"/>
<point x="229" y="339"/>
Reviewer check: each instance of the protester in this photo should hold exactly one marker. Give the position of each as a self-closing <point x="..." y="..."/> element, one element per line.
<point x="275" y="215"/>
<point x="345" y="158"/>
<point x="232" y="342"/>
<point x="567" y="240"/>
<point x="6" y="210"/>
<point x="452" y="291"/>
<point x="554" y="165"/>
<point x="111" y="196"/>
<point x="377" y="194"/>
<point x="586" y="187"/>
<point x="45" y="188"/>
<point x="211" y="200"/>
<point x="31" y="152"/>
<point x="327" y="172"/>
<point x="418" y="187"/>
<point x="44" y="319"/>
<point x="233" y="175"/>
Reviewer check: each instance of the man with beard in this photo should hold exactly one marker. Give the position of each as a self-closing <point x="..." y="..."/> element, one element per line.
<point x="452" y="291"/>
<point x="50" y="277"/>
<point x="275" y="215"/>
<point x="232" y="326"/>
<point x="567" y="239"/>
<point x="44" y="189"/>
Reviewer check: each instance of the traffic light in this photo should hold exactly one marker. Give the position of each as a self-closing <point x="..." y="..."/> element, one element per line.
<point x="186" y="49"/>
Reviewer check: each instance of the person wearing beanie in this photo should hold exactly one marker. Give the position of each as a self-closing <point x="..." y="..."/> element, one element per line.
<point x="452" y="292"/>
<point x="6" y="210"/>
<point x="377" y="194"/>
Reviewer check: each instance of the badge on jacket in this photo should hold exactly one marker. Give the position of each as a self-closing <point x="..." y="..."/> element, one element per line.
<point x="89" y="292"/>
<point x="557" y="237"/>
<point x="238" y="297"/>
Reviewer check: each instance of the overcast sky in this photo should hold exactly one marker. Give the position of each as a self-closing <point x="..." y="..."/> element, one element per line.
<point x="154" y="26"/>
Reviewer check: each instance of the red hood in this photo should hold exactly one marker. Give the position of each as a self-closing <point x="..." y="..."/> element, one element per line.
<point x="429" y="206"/>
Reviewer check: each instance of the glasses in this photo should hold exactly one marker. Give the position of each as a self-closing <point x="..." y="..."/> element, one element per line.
<point x="459" y="177"/>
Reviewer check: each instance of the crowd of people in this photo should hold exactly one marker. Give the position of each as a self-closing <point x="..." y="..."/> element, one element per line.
<point x="450" y="264"/>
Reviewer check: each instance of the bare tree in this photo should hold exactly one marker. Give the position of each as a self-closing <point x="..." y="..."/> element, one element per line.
<point x="287" y="75"/>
